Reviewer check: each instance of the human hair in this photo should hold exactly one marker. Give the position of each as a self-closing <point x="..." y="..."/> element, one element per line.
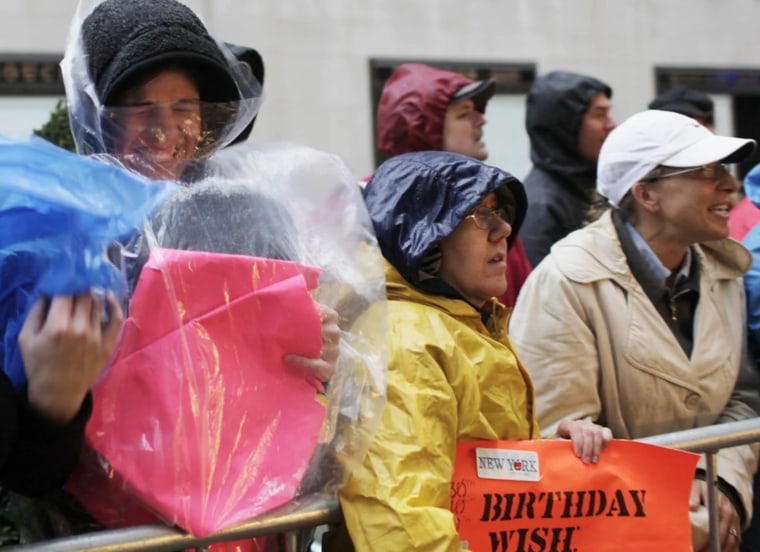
<point x="600" y="205"/>
<point x="119" y="95"/>
<point x="229" y="218"/>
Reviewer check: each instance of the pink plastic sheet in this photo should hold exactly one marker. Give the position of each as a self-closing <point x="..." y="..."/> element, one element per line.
<point x="198" y="415"/>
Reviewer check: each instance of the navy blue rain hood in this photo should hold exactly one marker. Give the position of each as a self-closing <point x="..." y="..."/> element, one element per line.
<point x="417" y="199"/>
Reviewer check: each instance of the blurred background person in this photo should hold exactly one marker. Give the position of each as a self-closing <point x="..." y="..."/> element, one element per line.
<point x="687" y="101"/>
<point x="744" y="215"/>
<point x="567" y="118"/>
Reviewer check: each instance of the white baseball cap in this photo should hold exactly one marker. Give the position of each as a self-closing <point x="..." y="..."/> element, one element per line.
<point x="652" y="138"/>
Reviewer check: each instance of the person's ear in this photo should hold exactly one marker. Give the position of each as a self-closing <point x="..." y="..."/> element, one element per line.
<point x="645" y="195"/>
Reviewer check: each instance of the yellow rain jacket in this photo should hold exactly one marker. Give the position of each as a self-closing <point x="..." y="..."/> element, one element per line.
<point x="450" y="379"/>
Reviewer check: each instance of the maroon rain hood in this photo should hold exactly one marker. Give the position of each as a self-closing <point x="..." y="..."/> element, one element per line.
<point x="413" y="106"/>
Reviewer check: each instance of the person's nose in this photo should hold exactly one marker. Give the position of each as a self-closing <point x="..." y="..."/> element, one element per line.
<point x="729" y="183"/>
<point x="610" y="124"/>
<point x="501" y="230"/>
<point x="480" y="119"/>
<point x="163" y="128"/>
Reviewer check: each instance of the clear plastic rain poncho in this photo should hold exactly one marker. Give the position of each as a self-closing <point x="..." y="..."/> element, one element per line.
<point x="198" y="420"/>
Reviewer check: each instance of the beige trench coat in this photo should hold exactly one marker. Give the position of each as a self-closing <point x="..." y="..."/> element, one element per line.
<point x="597" y="349"/>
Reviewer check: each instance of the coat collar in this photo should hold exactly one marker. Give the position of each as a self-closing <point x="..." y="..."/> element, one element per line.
<point x="399" y="289"/>
<point x="594" y="253"/>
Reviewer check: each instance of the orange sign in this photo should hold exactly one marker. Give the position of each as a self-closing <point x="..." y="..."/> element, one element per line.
<point x="533" y="496"/>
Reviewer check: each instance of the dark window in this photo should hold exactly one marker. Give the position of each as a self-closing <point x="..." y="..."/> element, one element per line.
<point x="30" y="75"/>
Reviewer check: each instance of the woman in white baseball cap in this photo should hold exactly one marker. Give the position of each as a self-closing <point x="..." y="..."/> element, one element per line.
<point x="637" y="321"/>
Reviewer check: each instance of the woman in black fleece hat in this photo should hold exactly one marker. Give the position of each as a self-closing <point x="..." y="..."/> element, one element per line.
<point x="147" y="84"/>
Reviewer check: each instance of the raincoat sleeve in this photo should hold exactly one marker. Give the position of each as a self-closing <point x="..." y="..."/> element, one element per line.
<point x="36" y="455"/>
<point x="557" y="373"/>
<point x="398" y="499"/>
<point x="737" y="465"/>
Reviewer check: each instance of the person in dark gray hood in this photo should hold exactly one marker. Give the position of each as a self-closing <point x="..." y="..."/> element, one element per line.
<point x="567" y="119"/>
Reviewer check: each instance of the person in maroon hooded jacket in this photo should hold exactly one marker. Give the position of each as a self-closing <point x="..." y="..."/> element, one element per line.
<point x="424" y="108"/>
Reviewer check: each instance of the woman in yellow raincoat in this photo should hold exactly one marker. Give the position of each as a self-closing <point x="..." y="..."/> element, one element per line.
<point x="444" y="223"/>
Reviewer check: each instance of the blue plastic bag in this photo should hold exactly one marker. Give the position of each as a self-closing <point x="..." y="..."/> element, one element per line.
<point x="58" y="214"/>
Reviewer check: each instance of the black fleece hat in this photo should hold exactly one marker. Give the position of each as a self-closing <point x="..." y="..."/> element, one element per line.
<point x="225" y="217"/>
<point x="124" y="39"/>
<point x="479" y="92"/>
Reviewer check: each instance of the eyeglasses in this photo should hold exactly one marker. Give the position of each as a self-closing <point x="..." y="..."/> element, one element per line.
<point x="489" y="219"/>
<point x="714" y="171"/>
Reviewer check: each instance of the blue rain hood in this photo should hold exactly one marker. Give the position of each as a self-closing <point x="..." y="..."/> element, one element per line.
<point x="417" y="199"/>
<point x="752" y="185"/>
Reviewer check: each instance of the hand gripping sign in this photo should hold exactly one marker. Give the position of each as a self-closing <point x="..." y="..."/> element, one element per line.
<point x="198" y="415"/>
<point x="520" y="496"/>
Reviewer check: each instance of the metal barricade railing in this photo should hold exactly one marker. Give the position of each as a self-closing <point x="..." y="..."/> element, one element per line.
<point x="312" y="511"/>
<point x="710" y="440"/>
<point x="288" y="519"/>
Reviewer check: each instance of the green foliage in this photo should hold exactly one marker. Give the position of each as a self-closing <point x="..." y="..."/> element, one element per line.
<point x="57" y="129"/>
